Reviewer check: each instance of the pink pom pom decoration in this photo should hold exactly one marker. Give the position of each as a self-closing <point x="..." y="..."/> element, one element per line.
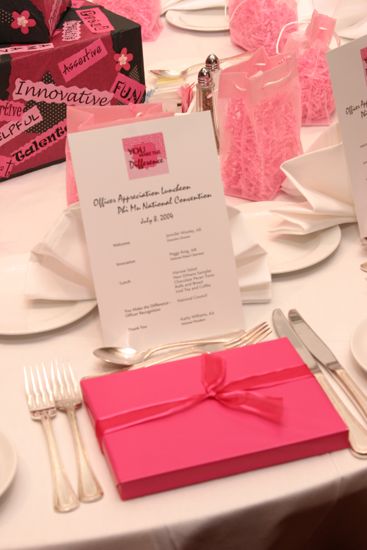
<point x="260" y="122"/>
<point x="256" y="23"/>
<point x="145" y="12"/>
<point x="310" y="48"/>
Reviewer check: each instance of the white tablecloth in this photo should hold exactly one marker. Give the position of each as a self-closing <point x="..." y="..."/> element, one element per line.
<point x="315" y="503"/>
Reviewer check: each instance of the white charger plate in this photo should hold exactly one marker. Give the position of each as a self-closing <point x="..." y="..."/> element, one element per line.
<point x="209" y="20"/>
<point x="288" y="253"/>
<point x="20" y="316"/>
<point x="8" y="463"/>
<point x="358" y="344"/>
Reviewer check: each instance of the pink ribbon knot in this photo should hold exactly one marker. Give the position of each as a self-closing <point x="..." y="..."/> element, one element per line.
<point x="241" y="395"/>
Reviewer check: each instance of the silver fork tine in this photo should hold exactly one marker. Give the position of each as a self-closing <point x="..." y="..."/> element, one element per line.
<point x="42" y="408"/>
<point x="68" y="398"/>
<point x="257" y="335"/>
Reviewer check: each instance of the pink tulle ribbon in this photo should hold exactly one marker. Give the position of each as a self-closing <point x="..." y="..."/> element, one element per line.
<point x="145" y="12"/>
<point x="257" y="23"/>
<point x="241" y="395"/>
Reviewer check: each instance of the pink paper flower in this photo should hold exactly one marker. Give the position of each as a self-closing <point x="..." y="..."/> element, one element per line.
<point x="22" y="21"/>
<point x="123" y="59"/>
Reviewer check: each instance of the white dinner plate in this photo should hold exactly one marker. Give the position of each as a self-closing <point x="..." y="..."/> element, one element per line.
<point x="8" y="463"/>
<point x="287" y="253"/>
<point x="20" y="316"/>
<point x="211" y="20"/>
<point x="358" y="344"/>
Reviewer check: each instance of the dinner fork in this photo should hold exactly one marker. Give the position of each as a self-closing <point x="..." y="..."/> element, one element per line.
<point x="68" y="398"/>
<point x="42" y="408"/>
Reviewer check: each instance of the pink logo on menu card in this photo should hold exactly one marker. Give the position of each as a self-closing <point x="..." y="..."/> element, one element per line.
<point x="145" y="155"/>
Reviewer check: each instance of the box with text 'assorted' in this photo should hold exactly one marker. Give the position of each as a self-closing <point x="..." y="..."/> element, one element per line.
<point x="95" y="58"/>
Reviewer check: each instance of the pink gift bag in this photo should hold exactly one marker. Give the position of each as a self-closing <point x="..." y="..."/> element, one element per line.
<point x="310" y="46"/>
<point x="259" y="107"/>
<point x="257" y="23"/>
<point x="87" y="118"/>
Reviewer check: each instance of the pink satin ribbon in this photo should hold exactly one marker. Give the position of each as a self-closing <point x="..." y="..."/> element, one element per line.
<point x="241" y="395"/>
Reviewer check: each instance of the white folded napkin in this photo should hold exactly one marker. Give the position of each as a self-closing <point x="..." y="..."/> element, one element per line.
<point x="321" y="178"/>
<point x="59" y="266"/>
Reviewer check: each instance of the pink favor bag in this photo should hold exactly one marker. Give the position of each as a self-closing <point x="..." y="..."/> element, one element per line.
<point x="310" y="47"/>
<point x="257" y="23"/>
<point x="87" y="118"/>
<point x="259" y="124"/>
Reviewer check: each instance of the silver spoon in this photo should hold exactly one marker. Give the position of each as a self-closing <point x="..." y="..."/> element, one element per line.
<point x="364" y="266"/>
<point x="174" y="74"/>
<point x="129" y="356"/>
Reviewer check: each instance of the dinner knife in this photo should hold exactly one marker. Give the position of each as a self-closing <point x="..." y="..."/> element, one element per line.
<point x="357" y="433"/>
<point x="327" y="359"/>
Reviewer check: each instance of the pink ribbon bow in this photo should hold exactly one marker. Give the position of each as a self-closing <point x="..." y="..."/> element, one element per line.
<point x="241" y="395"/>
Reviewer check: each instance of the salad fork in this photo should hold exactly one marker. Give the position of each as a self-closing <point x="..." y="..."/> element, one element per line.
<point x="42" y="408"/>
<point x="68" y="399"/>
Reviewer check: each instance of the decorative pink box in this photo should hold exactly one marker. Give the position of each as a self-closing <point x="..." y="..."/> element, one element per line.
<point x="95" y="58"/>
<point x="29" y="21"/>
<point x="210" y="416"/>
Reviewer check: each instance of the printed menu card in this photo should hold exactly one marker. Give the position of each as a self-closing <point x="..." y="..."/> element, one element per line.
<point x="348" y="69"/>
<point x="157" y="230"/>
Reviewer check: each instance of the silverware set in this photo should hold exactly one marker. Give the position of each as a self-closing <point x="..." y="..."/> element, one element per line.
<point x="129" y="358"/>
<point x="314" y="353"/>
<point x="47" y="391"/>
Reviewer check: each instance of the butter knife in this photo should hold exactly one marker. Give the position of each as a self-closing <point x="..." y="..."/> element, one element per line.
<point x="327" y="359"/>
<point x="357" y="433"/>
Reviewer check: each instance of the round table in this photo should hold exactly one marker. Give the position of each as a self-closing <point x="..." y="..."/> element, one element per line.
<point x="318" y="502"/>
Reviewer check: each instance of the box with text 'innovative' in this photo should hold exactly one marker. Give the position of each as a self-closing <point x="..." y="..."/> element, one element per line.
<point x="95" y="58"/>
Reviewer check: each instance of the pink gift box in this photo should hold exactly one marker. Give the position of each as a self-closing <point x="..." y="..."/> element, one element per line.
<point x="210" y="416"/>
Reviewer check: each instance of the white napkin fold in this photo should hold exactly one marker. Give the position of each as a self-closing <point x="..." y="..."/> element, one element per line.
<point x="319" y="177"/>
<point x="59" y="266"/>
